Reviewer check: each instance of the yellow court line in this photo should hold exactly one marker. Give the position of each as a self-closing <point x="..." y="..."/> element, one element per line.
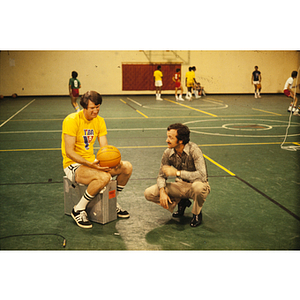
<point x="42" y="149"/>
<point x="133" y="118"/>
<point x="142" y="114"/>
<point x="204" y="112"/>
<point x="269" y="112"/>
<point x="123" y="101"/>
<point x="218" y="165"/>
<point x="134" y="109"/>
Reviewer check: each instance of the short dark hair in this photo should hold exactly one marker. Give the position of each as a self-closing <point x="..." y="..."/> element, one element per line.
<point x="294" y="74"/>
<point x="74" y="74"/>
<point x="183" y="132"/>
<point x="177" y="70"/>
<point x="92" y="96"/>
<point x="158" y="67"/>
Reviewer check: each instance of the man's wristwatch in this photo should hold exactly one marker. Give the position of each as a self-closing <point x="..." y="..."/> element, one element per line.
<point x="178" y="174"/>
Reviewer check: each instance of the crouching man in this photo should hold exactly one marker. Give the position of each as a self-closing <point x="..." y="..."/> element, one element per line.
<point x="184" y="160"/>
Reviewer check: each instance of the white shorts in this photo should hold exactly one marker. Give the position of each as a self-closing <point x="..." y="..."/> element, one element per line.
<point x="255" y="82"/>
<point x="70" y="171"/>
<point x="158" y="83"/>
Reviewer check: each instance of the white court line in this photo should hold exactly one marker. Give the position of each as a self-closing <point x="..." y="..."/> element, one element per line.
<point x="32" y="131"/>
<point x="129" y="129"/>
<point x="137" y="103"/>
<point x="195" y="105"/>
<point x="16" y="113"/>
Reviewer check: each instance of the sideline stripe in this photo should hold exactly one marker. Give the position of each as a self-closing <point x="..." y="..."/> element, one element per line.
<point x="134" y="108"/>
<point x="255" y="189"/>
<point x="269" y="198"/>
<point x="218" y="165"/>
<point x="204" y="112"/>
<point x="159" y="117"/>
<point x="17" y="113"/>
<point x="269" y="112"/>
<point x="137" y="103"/>
<point x="208" y="98"/>
<point x="159" y="146"/>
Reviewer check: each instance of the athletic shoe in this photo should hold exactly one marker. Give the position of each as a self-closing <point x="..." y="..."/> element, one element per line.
<point x="290" y="108"/>
<point x="296" y="113"/>
<point x="81" y="218"/>
<point x="122" y="213"/>
<point x="188" y="96"/>
<point x="255" y="96"/>
<point x="180" y="98"/>
<point x="294" y="109"/>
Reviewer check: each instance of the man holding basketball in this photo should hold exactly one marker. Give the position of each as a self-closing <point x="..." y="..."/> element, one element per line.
<point x="79" y="133"/>
<point x="184" y="160"/>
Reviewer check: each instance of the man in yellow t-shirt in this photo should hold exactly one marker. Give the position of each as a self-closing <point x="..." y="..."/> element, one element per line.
<point x="158" y="75"/>
<point x="79" y="133"/>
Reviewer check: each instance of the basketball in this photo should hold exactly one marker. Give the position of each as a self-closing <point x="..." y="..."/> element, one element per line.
<point x="109" y="156"/>
<point x="258" y="86"/>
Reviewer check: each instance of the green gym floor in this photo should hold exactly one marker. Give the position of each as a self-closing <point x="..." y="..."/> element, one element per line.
<point x="254" y="199"/>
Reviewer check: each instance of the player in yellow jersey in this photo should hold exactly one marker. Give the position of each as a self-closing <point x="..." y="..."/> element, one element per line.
<point x="80" y="131"/>
<point x="158" y="75"/>
<point x="189" y="82"/>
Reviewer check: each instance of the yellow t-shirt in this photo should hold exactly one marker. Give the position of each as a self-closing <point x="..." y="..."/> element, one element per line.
<point x="190" y="75"/>
<point x="86" y="133"/>
<point x="158" y="75"/>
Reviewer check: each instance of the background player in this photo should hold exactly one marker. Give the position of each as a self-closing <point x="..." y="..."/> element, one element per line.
<point x="189" y="82"/>
<point x="158" y="75"/>
<point x="177" y="79"/>
<point x="287" y="90"/>
<point x="74" y="86"/>
<point x="198" y="90"/>
<point x="256" y="80"/>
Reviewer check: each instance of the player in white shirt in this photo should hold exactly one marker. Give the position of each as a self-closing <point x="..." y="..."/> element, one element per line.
<point x="287" y="90"/>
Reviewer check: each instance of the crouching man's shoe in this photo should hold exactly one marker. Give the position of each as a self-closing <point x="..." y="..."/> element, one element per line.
<point x="182" y="205"/>
<point x="196" y="220"/>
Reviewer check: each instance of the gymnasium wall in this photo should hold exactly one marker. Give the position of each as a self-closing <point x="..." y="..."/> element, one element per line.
<point x="35" y="73"/>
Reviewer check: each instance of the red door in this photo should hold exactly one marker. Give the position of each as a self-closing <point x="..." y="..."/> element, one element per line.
<point x="139" y="77"/>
